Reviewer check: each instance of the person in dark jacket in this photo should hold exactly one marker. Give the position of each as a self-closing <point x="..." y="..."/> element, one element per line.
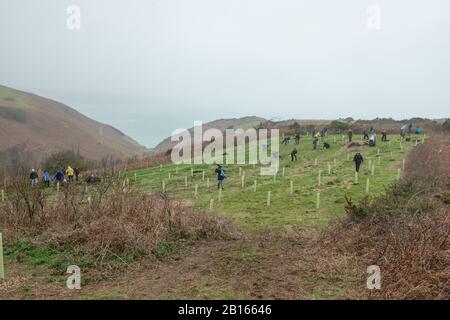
<point x="297" y="138"/>
<point x="59" y="176"/>
<point x="220" y="176"/>
<point x="358" y="159"/>
<point x="286" y="141"/>
<point x="294" y="154"/>
<point x="34" y="178"/>
<point x="350" y="135"/>
<point x="315" y="141"/>
<point x="365" y="135"/>
<point x="77" y="173"/>
<point x="92" y="179"/>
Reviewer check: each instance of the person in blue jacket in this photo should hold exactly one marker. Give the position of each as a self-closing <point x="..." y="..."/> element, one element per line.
<point x="46" y="178"/>
<point x="220" y="176"/>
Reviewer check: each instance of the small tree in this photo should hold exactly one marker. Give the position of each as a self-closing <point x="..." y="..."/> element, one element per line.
<point x="61" y="160"/>
<point x="446" y="125"/>
<point x="339" y="126"/>
<point x="295" y="127"/>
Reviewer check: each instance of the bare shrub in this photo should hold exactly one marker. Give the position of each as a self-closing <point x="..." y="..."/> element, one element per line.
<point x="428" y="164"/>
<point x="106" y="219"/>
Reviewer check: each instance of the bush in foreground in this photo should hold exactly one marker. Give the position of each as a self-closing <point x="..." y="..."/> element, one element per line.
<point x="109" y="220"/>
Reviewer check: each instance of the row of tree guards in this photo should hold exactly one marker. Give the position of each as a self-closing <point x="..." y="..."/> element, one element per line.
<point x="126" y="181"/>
<point x="242" y="175"/>
<point x="291" y="183"/>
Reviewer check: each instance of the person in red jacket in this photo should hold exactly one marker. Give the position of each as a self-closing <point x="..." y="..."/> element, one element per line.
<point x="383" y="135"/>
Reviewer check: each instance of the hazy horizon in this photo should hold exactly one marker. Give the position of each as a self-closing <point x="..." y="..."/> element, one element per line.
<point x="149" y="67"/>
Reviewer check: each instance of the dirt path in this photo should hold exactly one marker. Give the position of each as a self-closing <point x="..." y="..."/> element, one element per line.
<point x="256" y="266"/>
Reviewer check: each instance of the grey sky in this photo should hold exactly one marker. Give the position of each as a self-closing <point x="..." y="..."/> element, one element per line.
<point x="150" y="66"/>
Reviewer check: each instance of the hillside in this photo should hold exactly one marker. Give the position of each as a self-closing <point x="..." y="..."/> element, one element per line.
<point x="288" y="207"/>
<point x="277" y="252"/>
<point x="221" y="124"/>
<point x="300" y="235"/>
<point x="307" y="125"/>
<point x="34" y="126"/>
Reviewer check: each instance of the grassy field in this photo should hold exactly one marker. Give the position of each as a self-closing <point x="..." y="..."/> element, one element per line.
<point x="249" y="208"/>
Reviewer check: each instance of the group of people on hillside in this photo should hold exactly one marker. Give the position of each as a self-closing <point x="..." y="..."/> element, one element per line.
<point x="370" y="136"/>
<point x="220" y="171"/>
<point x="358" y="158"/>
<point x="286" y="140"/>
<point x="62" y="176"/>
<point x="316" y="137"/>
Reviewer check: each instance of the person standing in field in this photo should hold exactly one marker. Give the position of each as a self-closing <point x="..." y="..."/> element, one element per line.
<point x="405" y="129"/>
<point x="323" y="133"/>
<point x="365" y="135"/>
<point x="59" y="177"/>
<point x="77" y="173"/>
<point x="373" y="140"/>
<point x="220" y="176"/>
<point x="46" y="178"/>
<point x="294" y="154"/>
<point x="297" y="138"/>
<point x="350" y="135"/>
<point x="70" y="172"/>
<point x="358" y="159"/>
<point x="315" y="141"/>
<point x="34" y="178"/>
<point x="383" y="135"/>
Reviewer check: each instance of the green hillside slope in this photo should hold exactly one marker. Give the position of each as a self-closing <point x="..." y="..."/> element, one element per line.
<point x="249" y="207"/>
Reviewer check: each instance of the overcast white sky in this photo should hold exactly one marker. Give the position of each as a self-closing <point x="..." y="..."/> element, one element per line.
<point x="150" y="66"/>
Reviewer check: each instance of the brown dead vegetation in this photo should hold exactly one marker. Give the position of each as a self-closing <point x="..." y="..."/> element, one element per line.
<point x="406" y="231"/>
<point x="109" y="218"/>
